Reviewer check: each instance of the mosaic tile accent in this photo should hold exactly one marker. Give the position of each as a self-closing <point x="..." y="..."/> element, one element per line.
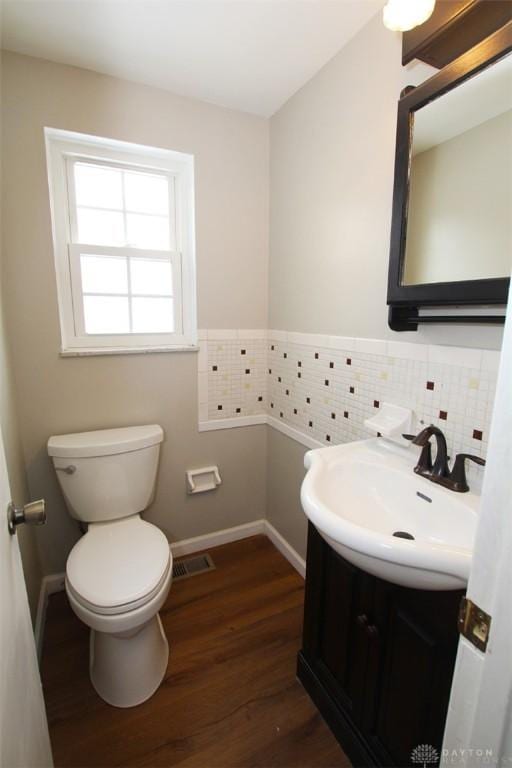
<point x="458" y="399"/>
<point x="236" y="381"/>
<point x="325" y="387"/>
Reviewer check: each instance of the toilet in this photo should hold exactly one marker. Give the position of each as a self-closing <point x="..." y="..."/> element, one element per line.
<point x="119" y="573"/>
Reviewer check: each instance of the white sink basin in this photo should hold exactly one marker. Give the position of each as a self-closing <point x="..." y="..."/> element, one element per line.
<point x="359" y="494"/>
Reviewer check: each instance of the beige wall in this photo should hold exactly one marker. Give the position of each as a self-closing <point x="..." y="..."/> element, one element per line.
<point x="17" y="476"/>
<point x="285" y="474"/>
<point x="460" y="206"/>
<point x="15" y="464"/>
<point x="58" y="395"/>
<point x="332" y="148"/>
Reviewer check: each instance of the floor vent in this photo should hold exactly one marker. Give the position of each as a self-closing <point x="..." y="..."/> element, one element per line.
<point x="192" y="566"/>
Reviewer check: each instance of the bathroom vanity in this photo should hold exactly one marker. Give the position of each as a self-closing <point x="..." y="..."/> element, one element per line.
<point x="377" y="659"/>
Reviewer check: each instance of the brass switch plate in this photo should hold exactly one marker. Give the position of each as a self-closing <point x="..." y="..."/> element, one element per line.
<point x="474" y="624"/>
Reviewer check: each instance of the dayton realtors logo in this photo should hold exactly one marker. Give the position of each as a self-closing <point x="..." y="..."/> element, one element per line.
<point x="425" y="755"/>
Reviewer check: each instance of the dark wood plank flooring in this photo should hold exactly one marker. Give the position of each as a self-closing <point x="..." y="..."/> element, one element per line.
<point x="230" y="697"/>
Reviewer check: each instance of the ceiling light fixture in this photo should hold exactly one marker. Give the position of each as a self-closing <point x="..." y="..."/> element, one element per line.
<point x="402" y="15"/>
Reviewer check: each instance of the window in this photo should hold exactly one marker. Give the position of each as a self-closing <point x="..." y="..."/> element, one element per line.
<point x="122" y="219"/>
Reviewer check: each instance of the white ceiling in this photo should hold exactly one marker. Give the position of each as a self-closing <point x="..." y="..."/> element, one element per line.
<point x="250" y="55"/>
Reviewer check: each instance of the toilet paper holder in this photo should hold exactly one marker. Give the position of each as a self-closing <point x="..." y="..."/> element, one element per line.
<point x="203" y="479"/>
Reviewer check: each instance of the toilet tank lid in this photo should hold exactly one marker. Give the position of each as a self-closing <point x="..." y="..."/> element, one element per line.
<point x="104" y="442"/>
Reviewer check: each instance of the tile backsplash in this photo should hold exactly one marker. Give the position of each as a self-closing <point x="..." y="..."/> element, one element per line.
<point x="236" y="377"/>
<point x="324" y="387"/>
<point x="232" y="375"/>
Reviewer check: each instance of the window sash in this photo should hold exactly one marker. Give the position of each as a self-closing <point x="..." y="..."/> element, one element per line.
<point x="76" y="250"/>
<point x="62" y="149"/>
<point x="172" y="213"/>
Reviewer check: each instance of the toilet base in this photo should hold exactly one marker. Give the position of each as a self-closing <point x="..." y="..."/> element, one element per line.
<point x="127" y="668"/>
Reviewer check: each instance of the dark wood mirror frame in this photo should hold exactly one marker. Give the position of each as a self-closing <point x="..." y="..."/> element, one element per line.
<point x="405" y="300"/>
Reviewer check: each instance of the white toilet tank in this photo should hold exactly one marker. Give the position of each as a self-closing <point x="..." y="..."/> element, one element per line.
<point x="107" y="474"/>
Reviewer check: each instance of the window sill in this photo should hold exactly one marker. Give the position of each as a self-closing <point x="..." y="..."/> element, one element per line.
<point x="98" y="351"/>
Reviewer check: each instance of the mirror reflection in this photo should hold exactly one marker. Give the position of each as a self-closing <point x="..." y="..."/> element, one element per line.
<point x="459" y="221"/>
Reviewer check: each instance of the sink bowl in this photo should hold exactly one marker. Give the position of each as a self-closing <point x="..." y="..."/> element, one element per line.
<point x="360" y="495"/>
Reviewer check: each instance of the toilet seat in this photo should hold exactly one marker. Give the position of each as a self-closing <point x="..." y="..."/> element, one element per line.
<point x="117" y="567"/>
<point x="116" y="610"/>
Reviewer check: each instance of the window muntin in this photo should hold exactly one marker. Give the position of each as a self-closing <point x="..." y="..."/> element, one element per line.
<point x="125" y="281"/>
<point x="120" y="206"/>
<point x="128" y="231"/>
<point x="131" y="290"/>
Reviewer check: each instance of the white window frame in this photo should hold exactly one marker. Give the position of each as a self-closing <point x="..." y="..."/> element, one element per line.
<point x="63" y="150"/>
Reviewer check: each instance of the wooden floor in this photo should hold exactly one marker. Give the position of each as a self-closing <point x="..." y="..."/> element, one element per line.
<point x="229" y="698"/>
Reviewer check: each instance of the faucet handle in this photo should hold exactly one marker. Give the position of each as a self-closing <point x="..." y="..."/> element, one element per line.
<point x="458" y="474"/>
<point x="408" y="437"/>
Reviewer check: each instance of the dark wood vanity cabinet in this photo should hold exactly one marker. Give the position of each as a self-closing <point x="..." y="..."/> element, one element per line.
<point x="377" y="659"/>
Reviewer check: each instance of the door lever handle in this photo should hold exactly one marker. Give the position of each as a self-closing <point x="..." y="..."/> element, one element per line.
<point x="33" y="513"/>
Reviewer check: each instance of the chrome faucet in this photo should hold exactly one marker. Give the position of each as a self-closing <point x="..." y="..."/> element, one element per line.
<point x="439" y="472"/>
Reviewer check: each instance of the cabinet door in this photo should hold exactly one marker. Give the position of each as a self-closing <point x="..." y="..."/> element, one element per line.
<point x="380" y="658"/>
<point x="420" y="642"/>
<point x="334" y="591"/>
<point x="360" y="646"/>
<point x="313" y="608"/>
<point x="339" y="589"/>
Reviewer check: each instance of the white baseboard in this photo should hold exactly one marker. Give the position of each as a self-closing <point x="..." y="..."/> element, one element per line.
<point x="216" y="538"/>
<point x="49" y="585"/>
<point x="285" y="549"/>
<point x="55" y="581"/>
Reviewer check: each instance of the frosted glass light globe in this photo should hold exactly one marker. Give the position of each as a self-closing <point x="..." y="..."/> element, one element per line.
<point x="402" y="15"/>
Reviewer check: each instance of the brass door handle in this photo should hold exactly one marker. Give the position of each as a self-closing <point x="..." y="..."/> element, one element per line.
<point x="33" y="513"/>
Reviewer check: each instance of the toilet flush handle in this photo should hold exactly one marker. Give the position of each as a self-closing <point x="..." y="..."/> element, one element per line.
<point x="69" y="470"/>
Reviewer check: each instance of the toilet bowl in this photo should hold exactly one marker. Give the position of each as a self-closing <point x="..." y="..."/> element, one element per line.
<point x="118" y="575"/>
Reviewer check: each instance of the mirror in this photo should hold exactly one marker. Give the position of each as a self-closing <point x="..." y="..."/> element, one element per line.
<point x="451" y="229"/>
<point x="459" y="221"/>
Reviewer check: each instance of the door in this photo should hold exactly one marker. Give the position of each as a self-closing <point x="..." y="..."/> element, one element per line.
<point x="479" y="724"/>
<point x="24" y="739"/>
